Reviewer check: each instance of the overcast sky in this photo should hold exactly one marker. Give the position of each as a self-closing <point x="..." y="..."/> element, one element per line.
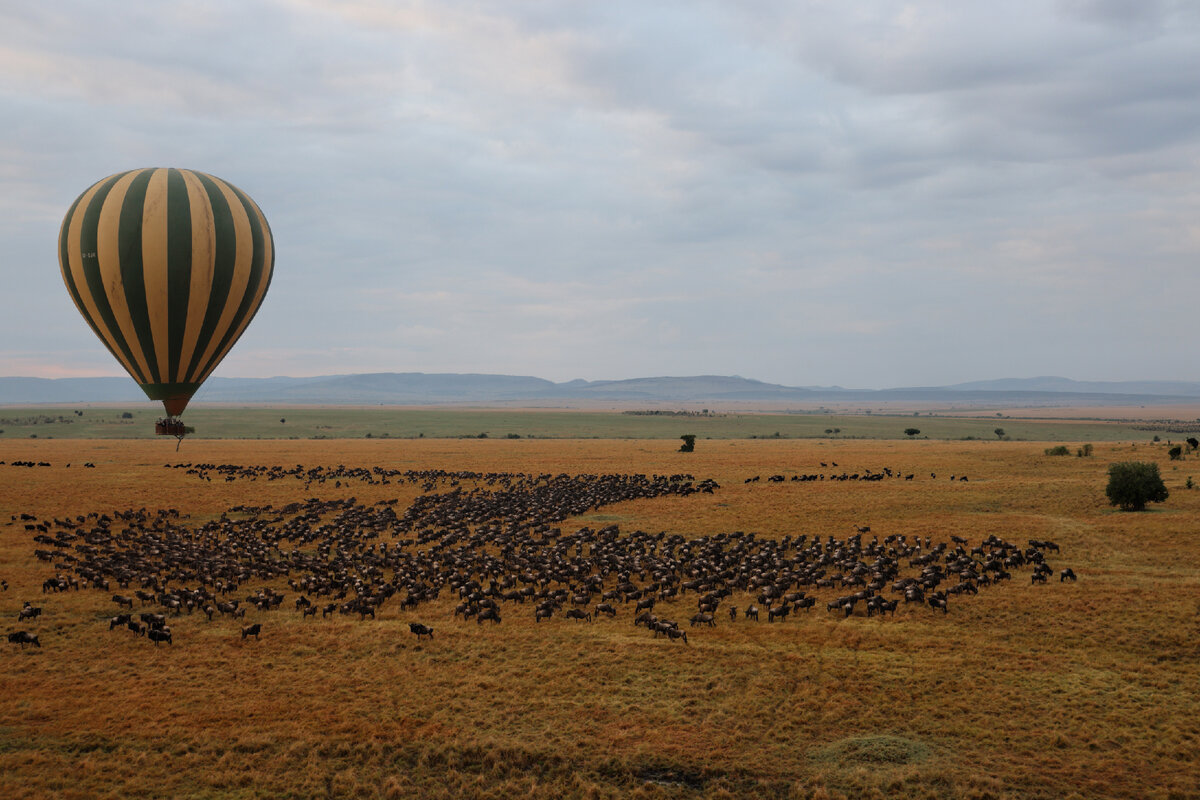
<point x="866" y="194"/>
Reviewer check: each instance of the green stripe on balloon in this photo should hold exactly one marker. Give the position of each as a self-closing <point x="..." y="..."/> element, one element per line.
<point x="89" y="244"/>
<point x="179" y="256"/>
<point x="129" y="234"/>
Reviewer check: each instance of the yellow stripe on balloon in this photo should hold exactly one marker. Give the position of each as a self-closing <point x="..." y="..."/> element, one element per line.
<point x="154" y="252"/>
<point x="242" y="264"/>
<point x="108" y="257"/>
<point x="204" y="253"/>
<point x="89" y="309"/>
<point x="259" y="289"/>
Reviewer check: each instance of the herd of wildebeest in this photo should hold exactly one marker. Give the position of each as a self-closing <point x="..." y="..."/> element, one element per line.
<point x="491" y="539"/>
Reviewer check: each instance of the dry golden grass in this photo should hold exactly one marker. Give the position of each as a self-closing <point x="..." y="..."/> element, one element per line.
<point x="1066" y="690"/>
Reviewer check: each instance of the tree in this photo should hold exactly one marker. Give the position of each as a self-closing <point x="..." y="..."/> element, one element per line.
<point x="1132" y="484"/>
<point x="999" y="433"/>
<point x="689" y="443"/>
<point x="1192" y="442"/>
<point x="911" y="431"/>
<point x="1176" y="452"/>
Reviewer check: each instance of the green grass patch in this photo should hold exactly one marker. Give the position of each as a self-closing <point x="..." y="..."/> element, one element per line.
<point x="884" y="750"/>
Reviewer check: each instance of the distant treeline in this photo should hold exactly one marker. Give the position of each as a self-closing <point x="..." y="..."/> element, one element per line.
<point x="659" y="413"/>
<point x="38" y="420"/>
<point x="1170" y="426"/>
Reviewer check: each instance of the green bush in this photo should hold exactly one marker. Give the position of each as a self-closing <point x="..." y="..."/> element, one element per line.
<point x="1133" y="484"/>
<point x="1060" y="450"/>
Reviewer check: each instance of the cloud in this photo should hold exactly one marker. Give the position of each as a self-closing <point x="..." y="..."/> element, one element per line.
<point x="865" y="194"/>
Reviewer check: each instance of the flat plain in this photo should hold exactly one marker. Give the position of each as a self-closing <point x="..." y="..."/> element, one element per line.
<point x="1084" y="689"/>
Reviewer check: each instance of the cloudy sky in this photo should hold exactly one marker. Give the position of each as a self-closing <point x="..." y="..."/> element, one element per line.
<point x="867" y="194"/>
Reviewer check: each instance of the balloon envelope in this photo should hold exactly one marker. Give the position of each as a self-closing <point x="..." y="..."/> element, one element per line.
<point x="168" y="267"/>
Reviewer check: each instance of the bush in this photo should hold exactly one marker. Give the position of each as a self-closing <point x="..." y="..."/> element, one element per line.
<point x="689" y="443"/>
<point x="911" y="431"/>
<point x="1060" y="450"/>
<point x="1133" y="484"/>
<point x="1176" y="452"/>
<point x="1084" y="451"/>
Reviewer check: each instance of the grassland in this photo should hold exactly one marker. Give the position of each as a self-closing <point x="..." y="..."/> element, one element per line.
<point x="315" y="422"/>
<point x="1086" y="690"/>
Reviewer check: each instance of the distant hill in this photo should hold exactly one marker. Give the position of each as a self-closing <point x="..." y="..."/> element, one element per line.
<point x="418" y="388"/>
<point x="1053" y="384"/>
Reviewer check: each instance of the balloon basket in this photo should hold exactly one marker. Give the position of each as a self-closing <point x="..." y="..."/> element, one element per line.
<point x="172" y="426"/>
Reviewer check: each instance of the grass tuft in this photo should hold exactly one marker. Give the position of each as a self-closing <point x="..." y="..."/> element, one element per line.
<point x="885" y="750"/>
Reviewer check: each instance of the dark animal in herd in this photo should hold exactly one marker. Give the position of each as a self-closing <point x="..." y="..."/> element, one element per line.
<point x="23" y="638"/>
<point x="252" y="630"/>
<point x="495" y="543"/>
<point x="420" y="630"/>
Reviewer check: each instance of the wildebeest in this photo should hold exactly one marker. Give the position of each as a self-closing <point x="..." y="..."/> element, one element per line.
<point x="420" y="630"/>
<point x="1067" y="574"/>
<point x="252" y="630"/>
<point x="675" y="633"/>
<point x="23" y="638"/>
<point x="29" y="612"/>
<point x="752" y="613"/>
<point x="488" y="613"/>
<point x="605" y="608"/>
<point x="703" y="619"/>
<point x="119" y="621"/>
<point x="157" y="635"/>
<point x="578" y="613"/>
<point x="122" y="600"/>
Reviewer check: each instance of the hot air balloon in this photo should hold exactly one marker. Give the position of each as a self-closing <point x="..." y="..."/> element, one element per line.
<point x="168" y="267"/>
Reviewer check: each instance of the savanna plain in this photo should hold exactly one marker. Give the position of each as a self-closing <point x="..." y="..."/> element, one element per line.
<point x="1087" y="688"/>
